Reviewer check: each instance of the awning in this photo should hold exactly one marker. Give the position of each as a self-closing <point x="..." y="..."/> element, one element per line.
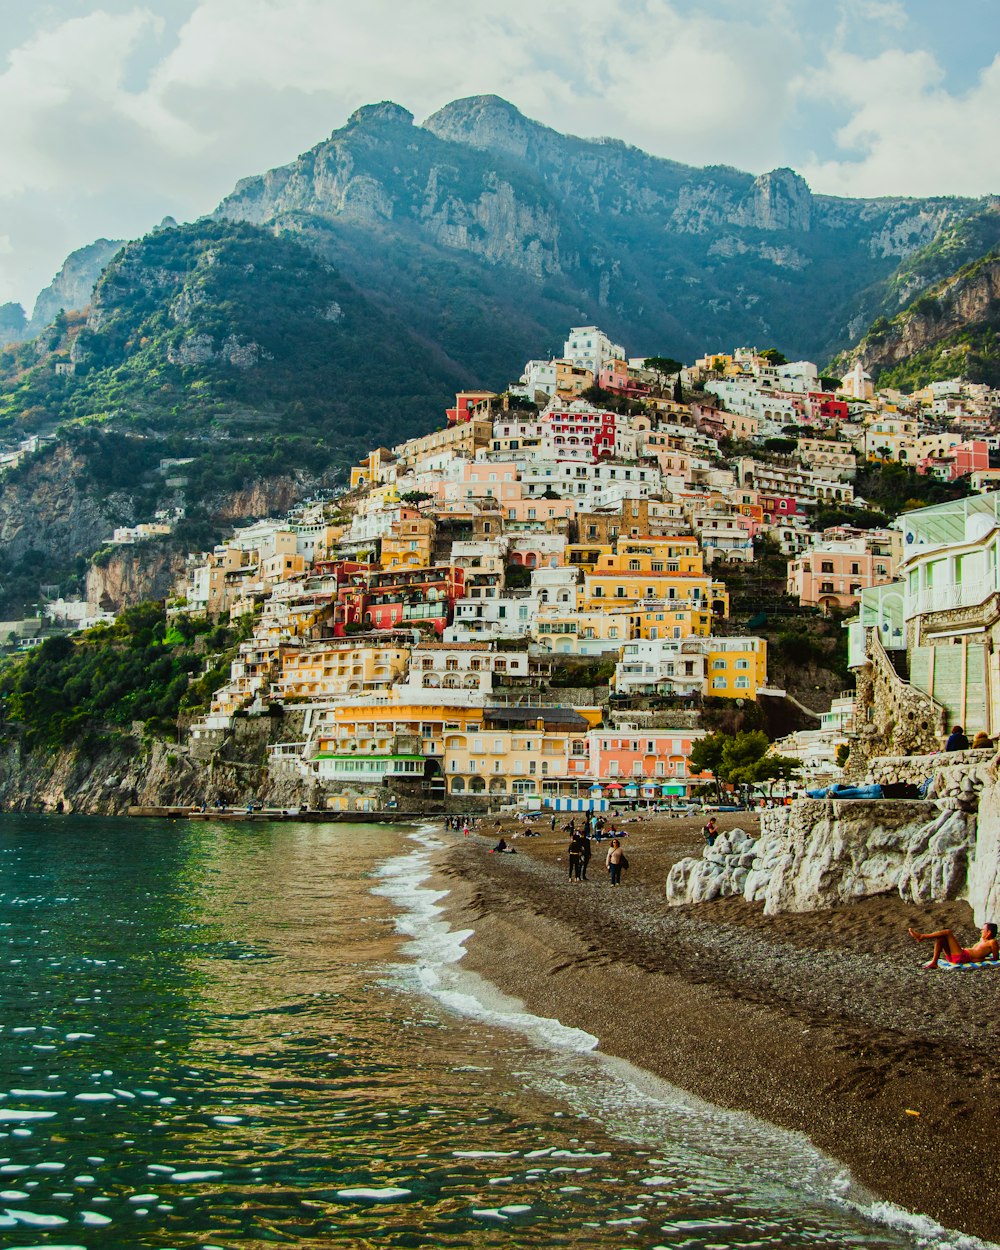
<point x="612" y="785"/>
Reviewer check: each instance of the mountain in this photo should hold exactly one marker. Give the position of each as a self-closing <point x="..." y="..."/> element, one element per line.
<point x="950" y="330"/>
<point x="69" y="290"/>
<point x="493" y="233"/>
<point x="74" y="284"/>
<point x="220" y="344"/>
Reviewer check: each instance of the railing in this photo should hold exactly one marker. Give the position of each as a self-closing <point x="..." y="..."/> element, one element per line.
<point x="948" y="598"/>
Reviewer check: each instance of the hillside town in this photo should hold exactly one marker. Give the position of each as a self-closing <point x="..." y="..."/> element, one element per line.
<point x="427" y="623"/>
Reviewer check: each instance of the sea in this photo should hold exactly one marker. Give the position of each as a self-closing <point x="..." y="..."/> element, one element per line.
<point x="251" y="1035"/>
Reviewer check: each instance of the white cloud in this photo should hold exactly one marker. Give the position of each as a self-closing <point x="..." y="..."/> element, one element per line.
<point x="125" y="116"/>
<point x="906" y="134"/>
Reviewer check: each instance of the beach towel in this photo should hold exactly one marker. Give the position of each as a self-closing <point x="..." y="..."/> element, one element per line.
<point x="983" y="963"/>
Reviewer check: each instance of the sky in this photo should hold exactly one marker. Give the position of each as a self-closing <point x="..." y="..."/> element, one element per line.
<point x="118" y="114"/>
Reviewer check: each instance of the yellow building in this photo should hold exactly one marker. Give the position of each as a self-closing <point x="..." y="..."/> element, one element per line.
<point x="735" y="668"/>
<point x="664" y="570"/>
<point x="410" y="543"/>
<point x="370" y="469"/>
<point x="367" y="743"/>
<point x="329" y="670"/>
<point x="572" y="379"/>
<point x="518" y="751"/>
<point x="567" y="631"/>
<point x="463" y="439"/>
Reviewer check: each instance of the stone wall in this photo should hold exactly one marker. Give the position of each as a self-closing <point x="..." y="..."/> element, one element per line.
<point x="949" y="771"/>
<point x="892" y="717"/>
<point x="984" y="873"/>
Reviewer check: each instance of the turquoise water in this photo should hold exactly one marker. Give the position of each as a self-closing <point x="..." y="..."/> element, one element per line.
<point x="249" y="1036"/>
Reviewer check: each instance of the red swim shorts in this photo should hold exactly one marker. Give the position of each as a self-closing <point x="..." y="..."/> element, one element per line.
<point x="964" y="957"/>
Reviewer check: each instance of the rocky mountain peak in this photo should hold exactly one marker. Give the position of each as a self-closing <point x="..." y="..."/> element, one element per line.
<point x="779" y="200"/>
<point x="384" y="111"/>
<point x="489" y="123"/>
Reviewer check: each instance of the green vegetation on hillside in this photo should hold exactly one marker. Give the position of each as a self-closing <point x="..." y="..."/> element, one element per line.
<point x="221" y="334"/>
<point x="138" y="669"/>
<point x="894" y="488"/>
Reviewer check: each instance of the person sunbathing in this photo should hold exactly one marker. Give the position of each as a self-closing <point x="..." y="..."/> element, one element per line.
<point x="947" y="946"/>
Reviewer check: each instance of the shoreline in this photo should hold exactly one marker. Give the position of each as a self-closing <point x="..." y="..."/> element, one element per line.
<point x="822" y="1024"/>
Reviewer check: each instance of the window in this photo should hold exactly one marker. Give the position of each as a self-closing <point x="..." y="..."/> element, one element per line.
<point x="826" y="588"/>
<point x="742" y="683"/>
<point x="718" y="683"/>
<point x="718" y="664"/>
<point x="826" y="566"/>
<point x="742" y="664"/>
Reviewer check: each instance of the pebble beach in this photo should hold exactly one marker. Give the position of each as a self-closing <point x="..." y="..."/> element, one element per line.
<point x="823" y="1023"/>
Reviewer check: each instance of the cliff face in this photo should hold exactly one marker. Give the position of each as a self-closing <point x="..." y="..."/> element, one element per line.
<point x="672" y="256"/>
<point x="133" y="575"/>
<point x="74" y="284"/>
<point x="132" y="770"/>
<point x="949" y="331"/>
<point x="50" y="507"/>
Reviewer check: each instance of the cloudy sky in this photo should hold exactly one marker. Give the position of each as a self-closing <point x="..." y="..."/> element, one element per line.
<point x="117" y="114"/>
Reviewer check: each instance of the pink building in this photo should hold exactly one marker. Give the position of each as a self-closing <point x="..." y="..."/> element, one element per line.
<point x="629" y="755"/>
<point x="972" y="456"/>
<point x="831" y="575"/>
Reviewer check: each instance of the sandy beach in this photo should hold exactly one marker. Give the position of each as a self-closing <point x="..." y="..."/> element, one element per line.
<point x="821" y="1023"/>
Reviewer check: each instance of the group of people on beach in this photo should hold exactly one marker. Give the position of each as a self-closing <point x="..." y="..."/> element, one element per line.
<point x="579" y="852"/>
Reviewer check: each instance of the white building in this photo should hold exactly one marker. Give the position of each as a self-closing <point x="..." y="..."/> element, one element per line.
<point x="660" y="666"/>
<point x="589" y="348"/>
<point x="483" y="620"/>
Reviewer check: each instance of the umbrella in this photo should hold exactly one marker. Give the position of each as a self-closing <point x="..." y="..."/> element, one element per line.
<point x="612" y="785"/>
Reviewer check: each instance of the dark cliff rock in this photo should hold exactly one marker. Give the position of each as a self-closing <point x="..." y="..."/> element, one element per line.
<point x="50" y="506"/>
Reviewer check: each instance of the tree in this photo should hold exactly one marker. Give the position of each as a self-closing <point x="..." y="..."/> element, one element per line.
<point x="663" y="366"/>
<point x="706" y="756"/>
<point x="416" y="497"/>
<point x="773" y="356"/>
<point x="741" y="759"/>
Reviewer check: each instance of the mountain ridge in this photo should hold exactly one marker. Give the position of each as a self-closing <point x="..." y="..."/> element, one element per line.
<point x="669" y="256"/>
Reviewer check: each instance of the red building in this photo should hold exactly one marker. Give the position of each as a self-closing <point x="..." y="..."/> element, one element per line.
<point x="465" y="404"/>
<point x="399" y="598"/>
<point x="779" y="505"/>
<point x="825" y="407"/>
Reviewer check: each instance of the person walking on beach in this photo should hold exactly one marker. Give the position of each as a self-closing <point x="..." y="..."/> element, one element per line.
<point x="615" y="861"/>
<point x="947" y="946"/>
<point x="585" y="839"/>
<point x="575" y="856"/>
<point x="711" y="830"/>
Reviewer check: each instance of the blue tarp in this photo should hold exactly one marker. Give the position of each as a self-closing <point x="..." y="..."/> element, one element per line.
<point x="846" y="792"/>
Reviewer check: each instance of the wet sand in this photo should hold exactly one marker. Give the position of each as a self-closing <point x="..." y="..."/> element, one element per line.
<point x="821" y="1023"/>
